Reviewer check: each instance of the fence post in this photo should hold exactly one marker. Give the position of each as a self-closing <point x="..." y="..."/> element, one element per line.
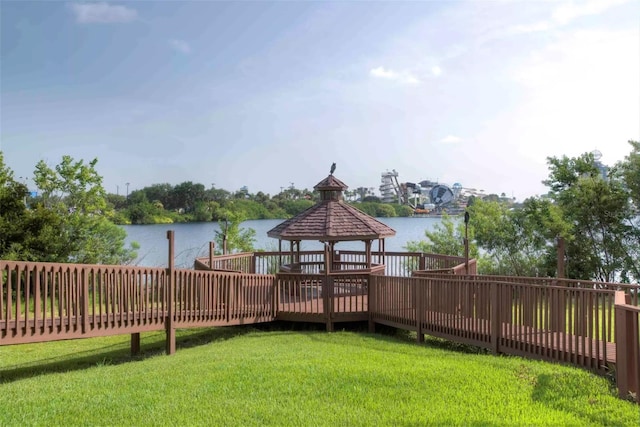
<point x="626" y="348"/>
<point x="170" y="345"/>
<point x="135" y="343"/>
<point x="422" y="262"/>
<point x="558" y="309"/>
<point x="496" y="322"/>
<point x="254" y="262"/>
<point x="371" y="302"/>
<point x="419" y="307"/>
<point x="85" y="301"/>
<point x="212" y="251"/>
<point x="276" y="295"/>
<point x="328" y="301"/>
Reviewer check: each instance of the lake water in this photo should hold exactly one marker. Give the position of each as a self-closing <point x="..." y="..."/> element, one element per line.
<point x="192" y="239"/>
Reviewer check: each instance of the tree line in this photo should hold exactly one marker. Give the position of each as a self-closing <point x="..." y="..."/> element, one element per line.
<point x="192" y="202"/>
<point x="596" y="211"/>
<point x="73" y="218"/>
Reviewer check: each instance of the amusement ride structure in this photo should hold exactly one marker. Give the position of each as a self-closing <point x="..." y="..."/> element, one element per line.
<point x="425" y="197"/>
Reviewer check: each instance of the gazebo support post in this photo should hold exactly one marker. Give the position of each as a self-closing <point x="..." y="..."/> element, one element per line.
<point x="332" y="248"/>
<point x="327" y="286"/>
<point x="367" y="250"/>
<point x="381" y="250"/>
<point x="291" y="255"/>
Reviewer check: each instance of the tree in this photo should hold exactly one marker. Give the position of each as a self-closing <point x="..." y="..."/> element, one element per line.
<point x="217" y="194"/>
<point x="403" y="210"/>
<point x="237" y="239"/>
<point x="604" y="242"/>
<point x="185" y="195"/>
<point x="77" y="204"/>
<point x="503" y="240"/>
<point x="517" y="242"/>
<point x="446" y="238"/>
<point x="12" y="214"/>
<point x="594" y="213"/>
<point x="629" y="171"/>
<point x="294" y="207"/>
<point x="369" y="208"/>
<point x="362" y="192"/>
<point x="117" y="201"/>
<point x="158" y="192"/>
<point x="385" y="211"/>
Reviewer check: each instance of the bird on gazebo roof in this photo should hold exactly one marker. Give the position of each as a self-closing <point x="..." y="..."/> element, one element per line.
<point x="333" y="168"/>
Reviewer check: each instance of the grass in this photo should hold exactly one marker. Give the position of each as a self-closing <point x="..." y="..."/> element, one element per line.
<point x="245" y="376"/>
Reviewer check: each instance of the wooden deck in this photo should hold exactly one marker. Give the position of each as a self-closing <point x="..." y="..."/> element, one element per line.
<point x="575" y="323"/>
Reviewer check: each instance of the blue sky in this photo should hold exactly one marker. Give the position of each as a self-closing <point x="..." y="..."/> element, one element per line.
<point x="266" y="94"/>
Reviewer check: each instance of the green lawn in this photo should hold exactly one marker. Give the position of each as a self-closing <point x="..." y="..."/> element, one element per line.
<point x="244" y="376"/>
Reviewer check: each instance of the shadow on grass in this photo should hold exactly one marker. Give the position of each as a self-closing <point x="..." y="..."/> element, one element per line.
<point x="118" y="353"/>
<point x="564" y="392"/>
<point x="153" y="344"/>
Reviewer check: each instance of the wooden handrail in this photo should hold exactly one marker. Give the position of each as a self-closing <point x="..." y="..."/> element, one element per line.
<point x="627" y="347"/>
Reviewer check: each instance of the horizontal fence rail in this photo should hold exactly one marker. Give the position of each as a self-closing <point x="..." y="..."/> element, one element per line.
<point x="630" y="289"/>
<point x="46" y="301"/>
<point x="312" y="262"/>
<point x="573" y="325"/>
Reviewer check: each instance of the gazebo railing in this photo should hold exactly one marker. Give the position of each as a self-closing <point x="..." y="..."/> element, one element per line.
<point x="396" y="263"/>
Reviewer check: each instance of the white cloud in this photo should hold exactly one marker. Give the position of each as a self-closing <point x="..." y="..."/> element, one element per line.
<point x="410" y="79"/>
<point x="180" y="45"/>
<point x="389" y="74"/>
<point x="451" y="139"/>
<point x="566" y="13"/>
<point x="531" y="28"/>
<point x="102" y="13"/>
<point x="383" y="73"/>
<point x="436" y="71"/>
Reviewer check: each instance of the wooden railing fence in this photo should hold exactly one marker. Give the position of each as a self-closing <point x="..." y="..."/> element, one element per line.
<point x="589" y="324"/>
<point x="45" y="301"/>
<point x="547" y="322"/>
<point x="632" y="290"/>
<point x="402" y="264"/>
<point x="628" y="347"/>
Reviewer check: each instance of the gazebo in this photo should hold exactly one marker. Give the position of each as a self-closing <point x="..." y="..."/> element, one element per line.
<point x="330" y="221"/>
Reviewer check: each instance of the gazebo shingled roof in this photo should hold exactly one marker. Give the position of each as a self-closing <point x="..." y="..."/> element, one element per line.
<point x="331" y="219"/>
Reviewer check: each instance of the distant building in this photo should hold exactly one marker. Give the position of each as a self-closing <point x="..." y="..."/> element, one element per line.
<point x="389" y="187"/>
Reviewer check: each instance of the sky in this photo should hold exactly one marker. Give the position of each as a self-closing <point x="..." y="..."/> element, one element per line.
<point x="270" y="94"/>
